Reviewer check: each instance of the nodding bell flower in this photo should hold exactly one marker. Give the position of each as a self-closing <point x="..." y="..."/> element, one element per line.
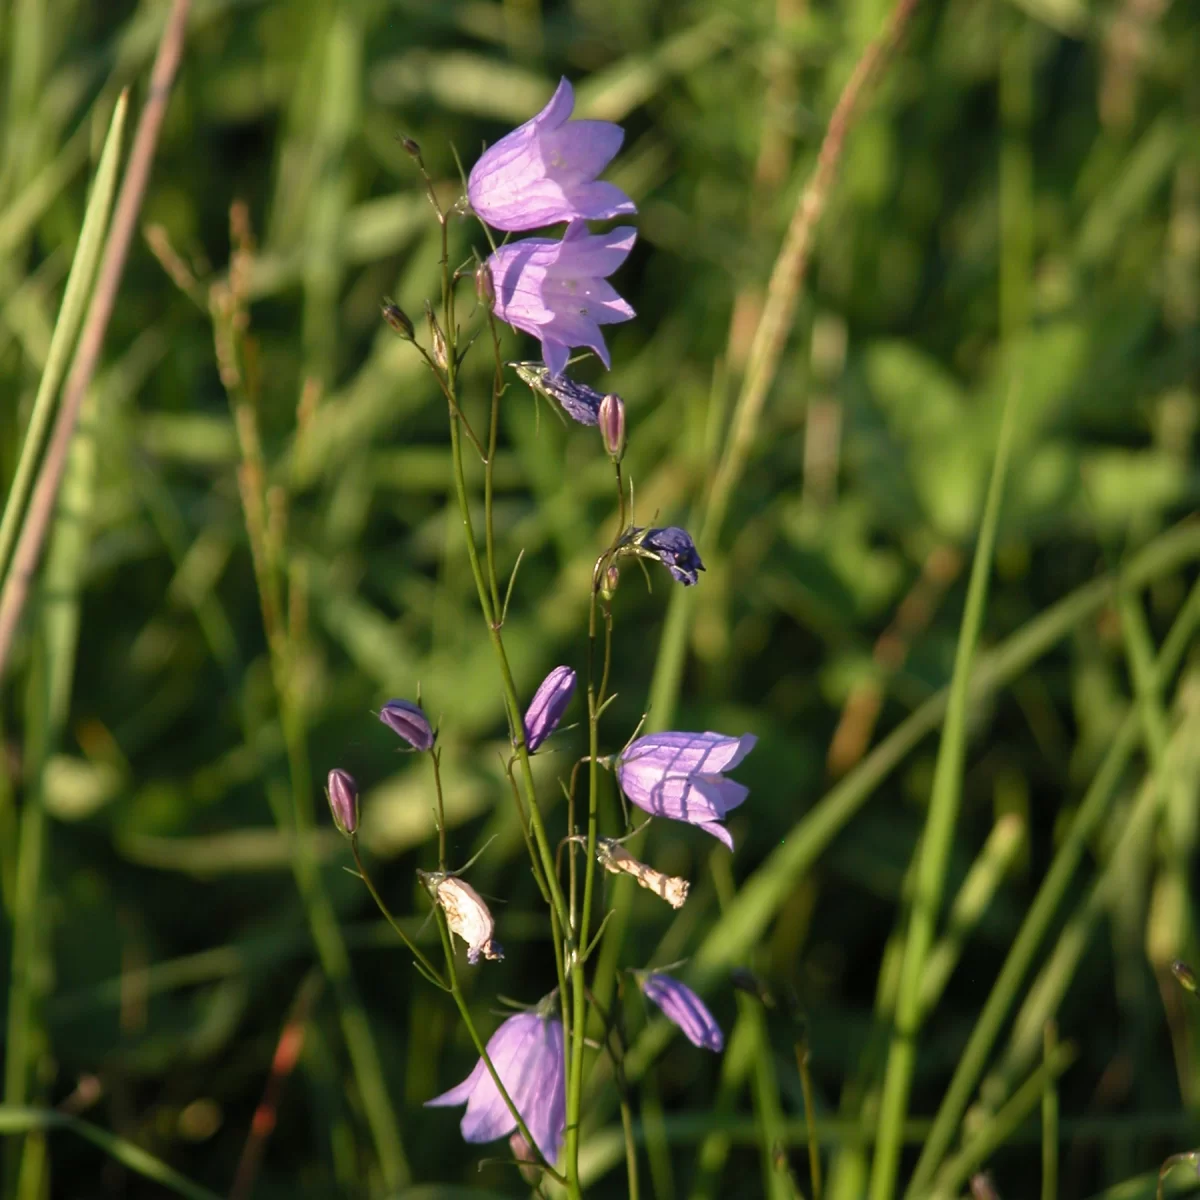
<point x="612" y="856"/>
<point x="612" y="425"/>
<point x="528" y="1054"/>
<point x="682" y="1006"/>
<point x="343" y="800"/>
<point x="409" y="722"/>
<point x="556" y="289"/>
<point x="580" y="402"/>
<point x="466" y="914"/>
<point x="679" y="775"/>
<point x="673" y="547"/>
<point x="547" y="706"/>
<point x="544" y="172"/>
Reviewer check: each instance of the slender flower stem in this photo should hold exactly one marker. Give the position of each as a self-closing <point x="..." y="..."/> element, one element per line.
<point x="435" y="757"/>
<point x="409" y="944"/>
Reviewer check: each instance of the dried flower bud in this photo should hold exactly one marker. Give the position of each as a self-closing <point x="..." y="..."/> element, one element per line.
<point x="612" y="425"/>
<point x="1185" y="975"/>
<point x="485" y="287"/>
<point x="397" y="318"/>
<point x="612" y="856"/>
<point x="437" y="338"/>
<point x="411" y="146"/>
<point x="466" y="914"/>
<point x="408" y="721"/>
<point x="343" y="800"/>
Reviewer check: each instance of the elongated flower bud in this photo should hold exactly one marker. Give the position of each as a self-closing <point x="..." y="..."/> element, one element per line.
<point x="343" y="800"/>
<point x="466" y="914"/>
<point x="437" y="338"/>
<point x="612" y="425"/>
<point x="612" y="856"/>
<point x="681" y="1005"/>
<point x="547" y="706"/>
<point x="397" y="318"/>
<point x="485" y="289"/>
<point x="407" y="721"/>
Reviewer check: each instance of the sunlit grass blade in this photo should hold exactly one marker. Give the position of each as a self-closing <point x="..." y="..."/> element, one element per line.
<point x="66" y="328"/>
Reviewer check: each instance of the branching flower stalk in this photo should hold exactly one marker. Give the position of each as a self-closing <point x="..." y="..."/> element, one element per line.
<point x="529" y="1080"/>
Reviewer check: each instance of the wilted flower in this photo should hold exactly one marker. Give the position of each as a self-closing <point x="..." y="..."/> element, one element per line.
<point x="545" y="171"/>
<point x="682" y="1006"/>
<point x="528" y="1054"/>
<point x="679" y="775"/>
<point x="556" y="290"/>
<point x="547" y="706"/>
<point x="674" y="548"/>
<point x="611" y="855"/>
<point x="580" y="402"/>
<point x="343" y="800"/>
<point x="612" y="425"/>
<point x="407" y="720"/>
<point x="466" y="914"/>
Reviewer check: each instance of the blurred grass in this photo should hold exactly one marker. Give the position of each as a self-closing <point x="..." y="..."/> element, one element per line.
<point x="1019" y="198"/>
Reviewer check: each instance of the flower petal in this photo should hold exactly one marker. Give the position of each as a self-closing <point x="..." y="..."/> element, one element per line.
<point x="681" y="1005"/>
<point x="460" y="1094"/>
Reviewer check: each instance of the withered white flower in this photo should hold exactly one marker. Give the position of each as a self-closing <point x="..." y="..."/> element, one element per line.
<point x="611" y="855"/>
<point x="466" y="914"/>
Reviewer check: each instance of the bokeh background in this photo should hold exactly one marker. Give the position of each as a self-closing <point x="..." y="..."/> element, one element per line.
<point x="1017" y="205"/>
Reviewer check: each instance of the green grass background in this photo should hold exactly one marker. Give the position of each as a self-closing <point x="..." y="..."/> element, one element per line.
<point x="1017" y="214"/>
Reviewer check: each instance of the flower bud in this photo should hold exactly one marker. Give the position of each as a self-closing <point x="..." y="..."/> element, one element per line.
<point x="437" y="337"/>
<point x="612" y="425"/>
<point x="1185" y="975"/>
<point x="397" y="318"/>
<point x="411" y="146"/>
<point x="522" y="1151"/>
<point x="547" y="706"/>
<point x="612" y="576"/>
<point x="343" y="800"/>
<point x="409" y="722"/>
<point x="466" y="914"/>
<point x="485" y="287"/>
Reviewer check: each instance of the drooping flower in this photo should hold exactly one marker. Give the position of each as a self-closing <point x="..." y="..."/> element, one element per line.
<point x="674" y="548"/>
<point x="343" y="800"/>
<point x="408" y="721"/>
<point x="612" y="856"/>
<point x="580" y="402"/>
<point x="679" y="775"/>
<point x="466" y="914"/>
<point x="528" y="1054"/>
<point x="682" y="1006"/>
<point x="547" y="706"/>
<point x="544" y="172"/>
<point x="556" y="289"/>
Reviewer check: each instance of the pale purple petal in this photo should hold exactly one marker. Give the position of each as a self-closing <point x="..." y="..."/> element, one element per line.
<point x="723" y="794"/>
<point x="667" y="795"/>
<point x="548" y="705"/>
<point x="544" y="172"/>
<point x="460" y="1094"/>
<point x="541" y="1097"/>
<point x="689" y="753"/>
<point x="718" y="831"/>
<point x="681" y="1005"/>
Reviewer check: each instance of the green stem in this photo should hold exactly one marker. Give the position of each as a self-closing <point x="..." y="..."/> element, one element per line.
<point x="938" y="835"/>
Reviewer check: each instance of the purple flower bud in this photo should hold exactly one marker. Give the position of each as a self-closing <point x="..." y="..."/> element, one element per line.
<point x="612" y="425"/>
<point x="407" y="721"/>
<point x="545" y="171"/>
<point x="343" y="800"/>
<point x="411" y="146"/>
<point x="547" y="706"/>
<point x="612" y="577"/>
<point x="528" y="1054"/>
<point x="674" y="548"/>
<point x="397" y="318"/>
<point x="682" y="1006"/>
